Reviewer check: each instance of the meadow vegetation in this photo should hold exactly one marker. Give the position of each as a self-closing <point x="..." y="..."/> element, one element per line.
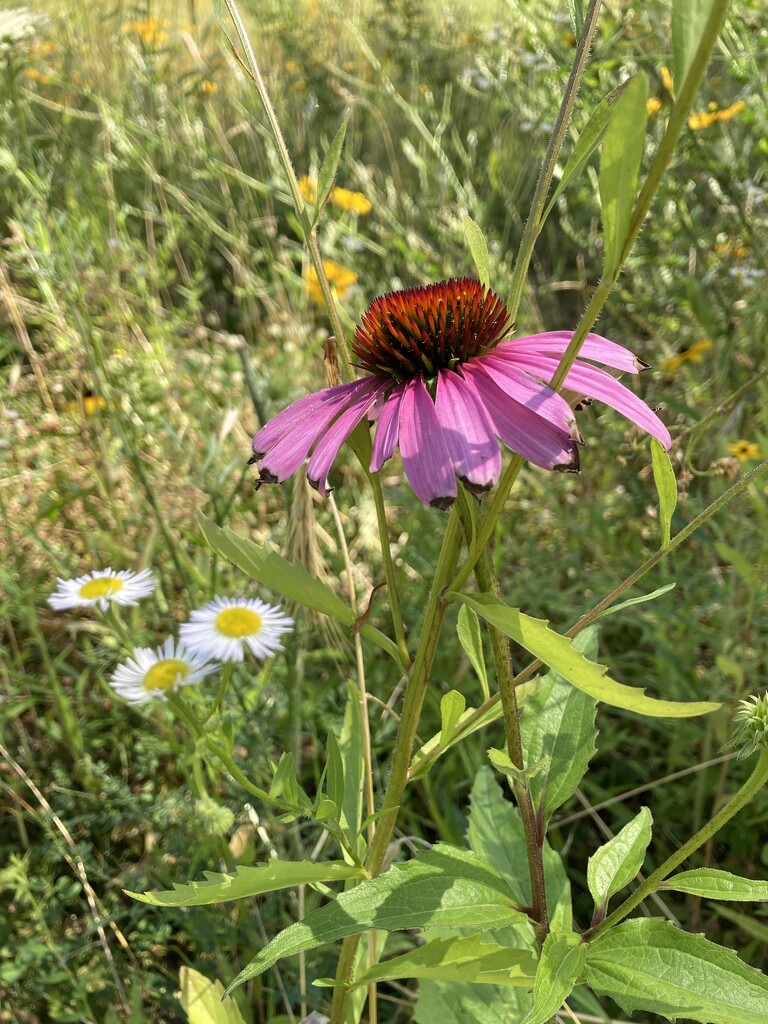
<point x="158" y="307"/>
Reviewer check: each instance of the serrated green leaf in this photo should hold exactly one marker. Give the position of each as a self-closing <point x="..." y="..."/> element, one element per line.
<point x="452" y="706"/>
<point x="666" y="488"/>
<point x="636" y="600"/>
<point x="558" y="722"/>
<point x="201" y="1000"/>
<point x="470" y="638"/>
<point x="688" y="20"/>
<point x="615" y="864"/>
<point x="478" y="247"/>
<point x="247" y="881"/>
<point x="559" y="653"/>
<point x="495" y="832"/>
<point x="282" y="576"/>
<point x="327" y="173"/>
<point x="589" y="140"/>
<point x="468" y="959"/>
<point x="446" y="887"/>
<point x="619" y="165"/>
<point x="648" y="964"/>
<point x="561" y="963"/>
<point x="714" y="884"/>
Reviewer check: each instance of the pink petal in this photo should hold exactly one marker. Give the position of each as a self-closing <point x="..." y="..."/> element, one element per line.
<point x="468" y="432"/>
<point x="528" y="391"/>
<point x="524" y="430"/>
<point x="426" y="459"/>
<point x="282" y="424"/>
<point x="555" y="343"/>
<point x="287" y="454"/>
<point x="328" y="446"/>
<point x="592" y="382"/>
<point x="387" y="429"/>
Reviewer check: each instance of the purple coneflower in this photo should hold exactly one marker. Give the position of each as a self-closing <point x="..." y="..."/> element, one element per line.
<point x="444" y="385"/>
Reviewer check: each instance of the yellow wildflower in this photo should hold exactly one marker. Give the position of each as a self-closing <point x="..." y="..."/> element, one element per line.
<point x="89" y="404"/>
<point x="569" y="39"/>
<point x="666" y="81"/>
<point x="207" y="87"/>
<point x="352" y="202"/>
<point x="653" y="106"/>
<point x="745" y="451"/>
<point x="38" y="76"/>
<point x="340" y="279"/>
<point x="705" y="118"/>
<point x="308" y="188"/>
<point x="150" y="31"/>
<point x="693" y="354"/>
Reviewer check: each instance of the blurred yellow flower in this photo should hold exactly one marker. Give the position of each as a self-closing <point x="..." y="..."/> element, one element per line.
<point x="705" y="118"/>
<point x="38" y="76"/>
<point x="653" y="106"/>
<point x="308" y="188"/>
<point x="569" y="39"/>
<point x="207" y="87"/>
<point x="340" y="279"/>
<point x="666" y="80"/>
<point x="693" y="354"/>
<point x="150" y="31"/>
<point x="89" y="404"/>
<point x="352" y="202"/>
<point x="744" y="451"/>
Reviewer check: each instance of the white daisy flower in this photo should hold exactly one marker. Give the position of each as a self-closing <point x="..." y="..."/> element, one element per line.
<point x="157" y="673"/>
<point x="101" y="588"/>
<point x="226" y="626"/>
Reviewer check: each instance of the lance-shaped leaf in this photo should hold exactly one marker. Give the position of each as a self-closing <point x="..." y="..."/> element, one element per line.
<point x="631" y="601"/>
<point x="470" y="638"/>
<point x="496" y="832"/>
<point x="478" y="247"/>
<point x="452" y="706"/>
<point x="558" y="722"/>
<point x="688" y="20"/>
<point x="589" y="140"/>
<point x="327" y="173"/>
<point x="247" y="881"/>
<point x="351" y="749"/>
<point x="446" y="886"/>
<point x="666" y="488"/>
<point x="201" y="1000"/>
<point x="559" y="653"/>
<point x="619" y="165"/>
<point x="714" y="884"/>
<point x="650" y="965"/>
<point x="561" y="963"/>
<point x="468" y="959"/>
<point x="282" y="576"/>
<point x="616" y="863"/>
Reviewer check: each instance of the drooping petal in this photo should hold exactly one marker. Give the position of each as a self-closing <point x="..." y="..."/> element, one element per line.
<point x="426" y="459"/>
<point x="387" y="429"/>
<point x="305" y="410"/>
<point x="592" y="382"/>
<point x="327" y="448"/>
<point x="468" y="432"/>
<point x="524" y="430"/>
<point x="554" y="343"/>
<point x="529" y="391"/>
<point x="285" y="457"/>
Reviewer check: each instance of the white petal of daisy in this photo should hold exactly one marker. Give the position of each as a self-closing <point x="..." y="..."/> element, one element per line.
<point x="226" y="626"/>
<point x="102" y="588"/>
<point x="157" y="673"/>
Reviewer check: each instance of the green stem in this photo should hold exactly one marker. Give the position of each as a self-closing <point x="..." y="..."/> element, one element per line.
<point x="754" y="783"/>
<point x="538" y="203"/>
<point x="389" y="569"/>
<point x="226" y="676"/>
<point x="406" y="736"/>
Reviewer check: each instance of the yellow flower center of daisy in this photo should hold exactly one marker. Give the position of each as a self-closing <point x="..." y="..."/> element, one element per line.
<point x="238" y="622"/>
<point x="104" y="586"/>
<point x="165" y="674"/>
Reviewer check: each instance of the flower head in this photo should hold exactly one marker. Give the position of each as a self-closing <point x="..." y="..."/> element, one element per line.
<point x="352" y="202"/>
<point x="102" y="588"/>
<point x="226" y="626"/>
<point x="340" y="279"/>
<point x="752" y="725"/>
<point x="691" y="354"/>
<point x="706" y="118"/>
<point x="445" y="383"/>
<point x="154" y="674"/>
<point x="745" y="450"/>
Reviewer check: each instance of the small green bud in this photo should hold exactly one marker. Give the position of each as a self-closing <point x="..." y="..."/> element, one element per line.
<point x="215" y="819"/>
<point x="752" y="725"/>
